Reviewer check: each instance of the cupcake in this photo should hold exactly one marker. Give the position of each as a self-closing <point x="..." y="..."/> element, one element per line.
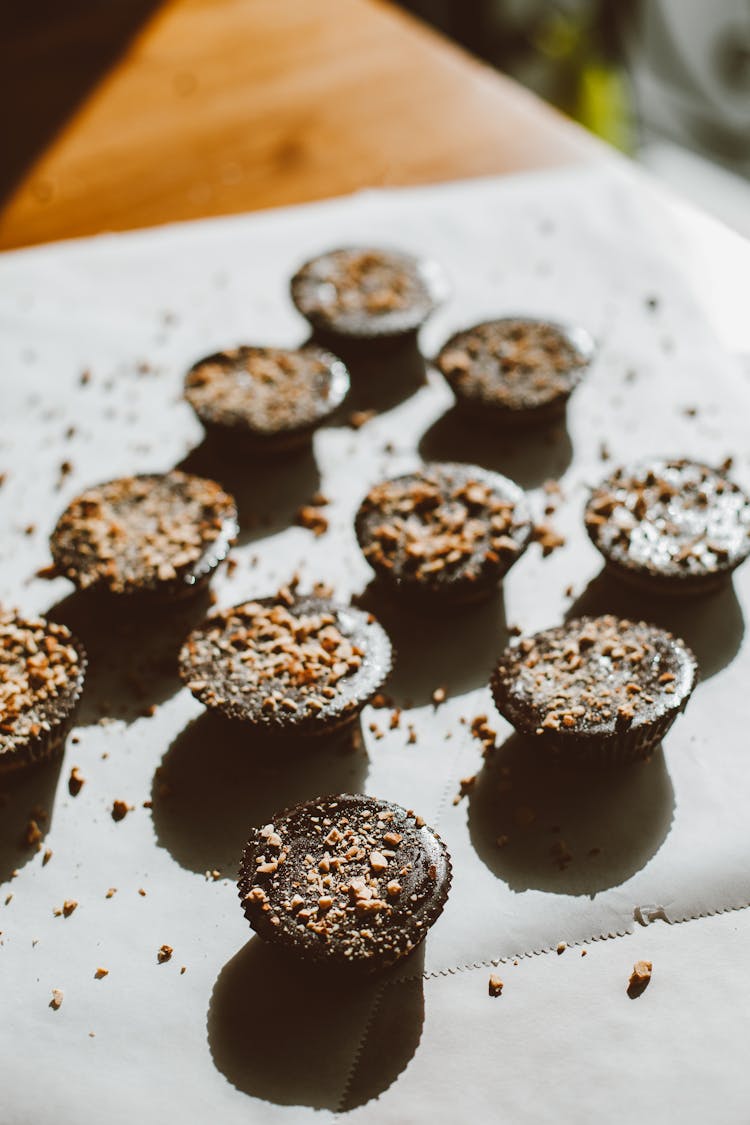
<point x="286" y="667"/>
<point x="516" y="370"/>
<point x="266" y="399"/>
<point x="448" y="532"/>
<point x="156" y="536"/>
<point x="598" y="689"/>
<point x="42" y="669"/>
<point x="671" y="527"/>
<point x="365" y="295"/>
<point x="345" y="881"/>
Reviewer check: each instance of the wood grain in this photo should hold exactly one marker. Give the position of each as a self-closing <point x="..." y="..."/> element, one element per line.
<point x="220" y="106"/>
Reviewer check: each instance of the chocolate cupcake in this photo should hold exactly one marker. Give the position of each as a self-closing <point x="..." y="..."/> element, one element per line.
<point x="345" y="881"/>
<point x="515" y="370"/>
<point x="266" y="399"/>
<point x="305" y="667"/>
<point x="448" y="532"/>
<point x="672" y="527"/>
<point x="597" y="689"/>
<point x="153" y="536"/>
<point x="42" y="669"/>
<point x="367" y="295"/>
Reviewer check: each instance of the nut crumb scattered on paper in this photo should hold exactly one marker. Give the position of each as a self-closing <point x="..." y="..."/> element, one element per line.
<point x="76" y="781"/>
<point x="312" y="518"/>
<point x="358" y="418"/>
<point x="548" y="539"/>
<point x="562" y="946"/>
<point x="164" y="954"/>
<point x="120" y="809"/>
<point x="495" y="985"/>
<point x="57" y="998"/>
<point x="101" y="973"/>
<point x="639" y="978"/>
<point x="66" y="909"/>
<point x="32" y="836"/>
<point x="465" y="784"/>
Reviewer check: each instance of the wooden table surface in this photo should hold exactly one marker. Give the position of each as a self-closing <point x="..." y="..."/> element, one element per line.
<point x="219" y="106"/>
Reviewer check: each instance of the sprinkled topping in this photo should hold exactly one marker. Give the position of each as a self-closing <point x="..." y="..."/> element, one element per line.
<point x="514" y="363"/>
<point x="339" y="889"/>
<point x="145" y="533"/>
<point x="447" y="524"/>
<point x="41" y="675"/>
<point x="267" y="390"/>
<point x="287" y="665"/>
<point x="674" y="519"/>
<point x="364" y="292"/>
<point x="593" y="676"/>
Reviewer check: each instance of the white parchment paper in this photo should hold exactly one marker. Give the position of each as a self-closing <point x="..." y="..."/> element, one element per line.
<point x="238" y="1036"/>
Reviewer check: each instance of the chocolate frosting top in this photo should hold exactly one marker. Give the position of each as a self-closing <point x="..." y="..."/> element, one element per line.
<point x="301" y="665"/>
<point x="365" y="291"/>
<point x="515" y="363"/>
<point x="145" y="533"/>
<point x="345" y="879"/>
<point x="670" y="518"/>
<point x="267" y="390"/>
<point x="443" y="525"/>
<point x="593" y="676"/>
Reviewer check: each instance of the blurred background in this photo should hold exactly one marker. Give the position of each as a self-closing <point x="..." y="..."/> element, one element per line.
<point x="666" y="81"/>
<point x="122" y="113"/>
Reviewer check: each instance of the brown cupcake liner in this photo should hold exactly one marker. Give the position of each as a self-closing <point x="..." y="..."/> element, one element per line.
<point x="489" y="415"/>
<point x="671" y="585"/>
<point x="618" y="749"/>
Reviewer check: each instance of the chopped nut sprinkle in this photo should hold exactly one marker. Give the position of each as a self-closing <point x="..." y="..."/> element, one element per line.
<point x="640" y="976"/>
<point x="76" y="781"/>
<point x="120" y="809"/>
<point x="313" y="519"/>
<point x="495" y="985"/>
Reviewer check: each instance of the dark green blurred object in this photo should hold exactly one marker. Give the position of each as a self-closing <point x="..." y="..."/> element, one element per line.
<point x="568" y="51"/>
